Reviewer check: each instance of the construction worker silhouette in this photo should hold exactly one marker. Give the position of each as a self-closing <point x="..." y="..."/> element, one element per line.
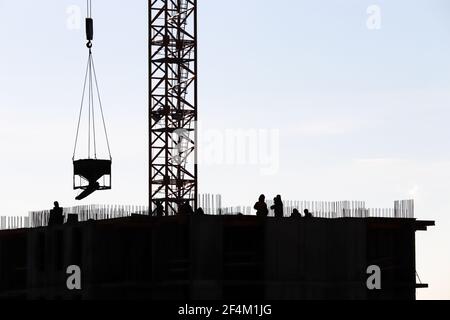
<point x="307" y="213"/>
<point x="56" y="215"/>
<point x="185" y="209"/>
<point x="261" y="207"/>
<point x="159" y="210"/>
<point x="296" y="214"/>
<point x="200" y="212"/>
<point x="277" y="207"/>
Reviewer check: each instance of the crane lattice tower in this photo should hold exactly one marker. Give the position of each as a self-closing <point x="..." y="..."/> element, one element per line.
<point x="173" y="103"/>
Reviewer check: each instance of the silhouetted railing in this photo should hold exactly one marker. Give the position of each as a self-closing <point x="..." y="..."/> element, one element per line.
<point x="17" y="222"/>
<point x="89" y="212"/>
<point x="336" y="209"/>
<point x="212" y="205"/>
<point x="95" y="212"/>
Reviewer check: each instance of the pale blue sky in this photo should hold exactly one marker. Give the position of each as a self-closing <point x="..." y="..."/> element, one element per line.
<point x="362" y="114"/>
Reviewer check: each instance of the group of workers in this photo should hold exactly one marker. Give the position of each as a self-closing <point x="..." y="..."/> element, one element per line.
<point x="184" y="209"/>
<point x="277" y="207"/>
<point x="260" y="207"/>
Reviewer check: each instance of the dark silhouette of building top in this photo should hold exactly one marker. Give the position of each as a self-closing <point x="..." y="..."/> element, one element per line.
<point x="212" y="257"/>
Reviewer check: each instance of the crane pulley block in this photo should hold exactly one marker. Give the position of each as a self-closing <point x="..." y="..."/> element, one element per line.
<point x="89" y="29"/>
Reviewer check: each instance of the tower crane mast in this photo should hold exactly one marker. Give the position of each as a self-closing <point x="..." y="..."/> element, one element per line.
<point x="173" y="104"/>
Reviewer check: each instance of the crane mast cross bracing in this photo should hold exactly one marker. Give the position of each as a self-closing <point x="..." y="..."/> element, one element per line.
<point x="173" y="104"/>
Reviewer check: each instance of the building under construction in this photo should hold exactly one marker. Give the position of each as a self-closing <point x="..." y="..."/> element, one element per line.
<point x="212" y="257"/>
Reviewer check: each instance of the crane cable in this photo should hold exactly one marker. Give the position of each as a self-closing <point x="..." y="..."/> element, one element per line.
<point x="90" y="80"/>
<point x="89" y="8"/>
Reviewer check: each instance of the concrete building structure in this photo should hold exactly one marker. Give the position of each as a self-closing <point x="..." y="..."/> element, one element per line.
<point x="212" y="257"/>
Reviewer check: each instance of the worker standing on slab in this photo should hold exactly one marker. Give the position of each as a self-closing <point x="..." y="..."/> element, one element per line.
<point x="56" y="215"/>
<point x="261" y="207"/>
<point x="277" y="207"/>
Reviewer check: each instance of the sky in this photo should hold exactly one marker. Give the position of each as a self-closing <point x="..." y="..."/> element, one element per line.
<point x="344" y="100"/>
